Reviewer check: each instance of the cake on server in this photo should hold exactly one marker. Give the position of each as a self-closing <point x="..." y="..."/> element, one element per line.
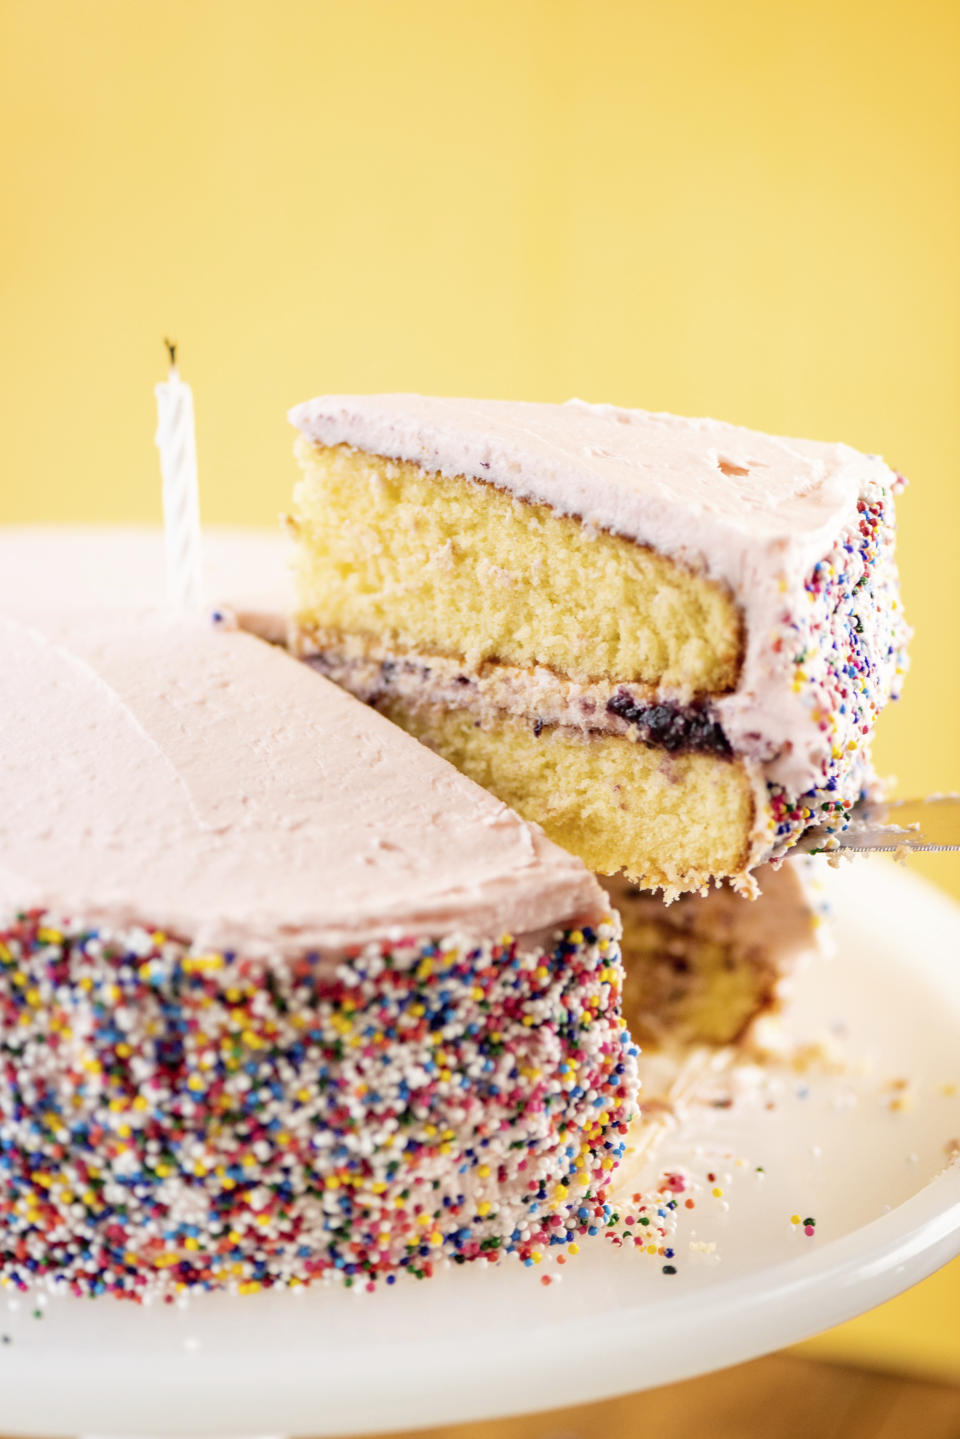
<point x="667" y="640"/>
<point x="281" y="994"/>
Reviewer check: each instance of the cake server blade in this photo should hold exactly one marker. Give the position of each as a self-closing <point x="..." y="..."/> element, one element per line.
<point x="916" y="824"/>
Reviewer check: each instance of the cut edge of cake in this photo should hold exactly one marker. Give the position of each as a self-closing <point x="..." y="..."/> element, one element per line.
<point x="708" y="968"/>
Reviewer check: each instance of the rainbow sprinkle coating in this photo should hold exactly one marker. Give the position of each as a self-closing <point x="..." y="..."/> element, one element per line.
<point x="172" y="1121"/>
<point x="848" y="657"/>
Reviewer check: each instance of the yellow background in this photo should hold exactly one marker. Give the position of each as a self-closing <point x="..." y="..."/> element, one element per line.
<point x="750" y="210"/>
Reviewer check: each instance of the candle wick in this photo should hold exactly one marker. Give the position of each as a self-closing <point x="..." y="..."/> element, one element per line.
<point x="172" y="352"/>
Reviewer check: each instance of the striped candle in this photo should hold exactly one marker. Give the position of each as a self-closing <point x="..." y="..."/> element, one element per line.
<point x="176" y="442"/>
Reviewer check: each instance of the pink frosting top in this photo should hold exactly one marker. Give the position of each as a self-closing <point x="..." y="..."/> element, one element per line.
<point x="171" y="773"/>
<point x="753" y="511"/>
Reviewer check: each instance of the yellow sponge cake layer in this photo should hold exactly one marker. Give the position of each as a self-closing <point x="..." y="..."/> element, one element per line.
<point x="463" y="569"/>
<point x="670" y="821"/>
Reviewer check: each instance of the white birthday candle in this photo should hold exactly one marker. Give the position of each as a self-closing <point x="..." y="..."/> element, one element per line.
<point x="176" y="442"/>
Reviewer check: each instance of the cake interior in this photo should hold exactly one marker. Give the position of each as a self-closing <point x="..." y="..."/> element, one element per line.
<point x="565" y="669"/>
<point x="691" y="988"/>
<point x="462" y="569"/>
<point x="702" y="970"/>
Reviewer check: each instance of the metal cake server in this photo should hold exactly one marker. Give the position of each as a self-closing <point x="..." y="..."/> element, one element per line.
<point x="916" y="824"/>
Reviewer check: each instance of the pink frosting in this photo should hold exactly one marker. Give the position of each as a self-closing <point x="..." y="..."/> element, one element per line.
<point x="171" y="773"/>
<point x="753" y="511"/>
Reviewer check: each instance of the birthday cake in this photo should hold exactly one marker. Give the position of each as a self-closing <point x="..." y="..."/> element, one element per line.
<point x="282" y="995"/>
<point x="666" y="640"/>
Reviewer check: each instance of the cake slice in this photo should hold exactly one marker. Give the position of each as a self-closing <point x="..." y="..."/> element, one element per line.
<point x="282" y="995"/>
<point x="666" y="640"/>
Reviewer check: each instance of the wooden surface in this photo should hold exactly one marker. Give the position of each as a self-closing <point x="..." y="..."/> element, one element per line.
<point x="781" y="1397"/>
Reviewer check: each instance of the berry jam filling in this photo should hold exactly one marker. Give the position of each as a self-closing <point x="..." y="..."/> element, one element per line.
<point x="671" y="727"/>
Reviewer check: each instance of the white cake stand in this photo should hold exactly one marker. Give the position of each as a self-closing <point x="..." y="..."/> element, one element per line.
<point x="862" y="1148"/>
